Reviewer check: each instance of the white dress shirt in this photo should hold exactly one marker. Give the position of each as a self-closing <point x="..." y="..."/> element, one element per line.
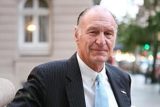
<point x="88" y="78"/>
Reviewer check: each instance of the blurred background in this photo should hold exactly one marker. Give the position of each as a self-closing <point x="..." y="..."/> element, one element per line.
<point x="37" y="31"/>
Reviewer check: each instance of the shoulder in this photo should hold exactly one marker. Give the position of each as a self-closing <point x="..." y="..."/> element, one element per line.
<point x="45" y="74"/>
<point x="57" y="65"/>
<point x="120" y="76"/>
<point x="52" y="64"/>
<point x="116" y="70"/>
<point x="50" y="67"/>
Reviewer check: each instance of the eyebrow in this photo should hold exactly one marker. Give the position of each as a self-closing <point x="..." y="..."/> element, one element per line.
<point x="91" y="28"/>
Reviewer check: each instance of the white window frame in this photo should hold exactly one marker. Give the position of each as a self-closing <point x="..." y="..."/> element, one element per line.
<point x="35" y="47"/>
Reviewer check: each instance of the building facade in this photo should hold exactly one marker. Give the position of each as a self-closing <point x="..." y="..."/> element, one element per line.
<point x="34" y="32"/>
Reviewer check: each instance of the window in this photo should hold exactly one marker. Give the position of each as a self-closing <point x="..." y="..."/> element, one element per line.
<point x="96" y="2"/>
<point x="34" y="27"/>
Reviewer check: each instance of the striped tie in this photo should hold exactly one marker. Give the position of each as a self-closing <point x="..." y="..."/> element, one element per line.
<point x="101" y="99"/>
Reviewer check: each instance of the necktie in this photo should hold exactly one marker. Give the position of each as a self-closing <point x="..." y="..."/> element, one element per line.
<point x="101" y="99"/>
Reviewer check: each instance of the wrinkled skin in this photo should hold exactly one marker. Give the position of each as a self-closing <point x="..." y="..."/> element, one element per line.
<point x="95" y="37"/>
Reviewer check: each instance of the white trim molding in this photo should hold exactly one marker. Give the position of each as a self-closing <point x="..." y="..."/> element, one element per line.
<point x="35" y="46"/>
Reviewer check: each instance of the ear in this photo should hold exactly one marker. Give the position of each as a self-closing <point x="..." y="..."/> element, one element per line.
<point x="76" y="33"/>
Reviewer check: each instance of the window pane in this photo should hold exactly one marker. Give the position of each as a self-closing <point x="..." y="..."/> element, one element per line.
<point x="29" y="4"/>
<point x="96" y="2"/>
<point x="43" y="4"/>
<point x="43" y="28"/>
<point x="29" y="28"/>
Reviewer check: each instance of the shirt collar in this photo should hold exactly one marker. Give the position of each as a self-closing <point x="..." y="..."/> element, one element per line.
<point x="88" y="74"/>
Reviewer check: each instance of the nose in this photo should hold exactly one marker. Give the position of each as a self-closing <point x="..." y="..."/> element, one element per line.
<point x="101" y="39"/>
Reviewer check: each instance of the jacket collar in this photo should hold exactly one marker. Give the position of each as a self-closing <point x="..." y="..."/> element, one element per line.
<point x="74" y="84"/>
<point x="117" y="87"/>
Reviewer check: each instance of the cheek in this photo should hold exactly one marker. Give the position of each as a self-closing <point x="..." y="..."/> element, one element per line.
<point x="110" y="44"/>
<point x="88" y="41"/>
<point x="113" y="43"/>
<point x="83" y="43"/>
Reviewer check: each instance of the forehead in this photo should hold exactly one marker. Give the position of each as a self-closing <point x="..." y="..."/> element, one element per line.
<point x="98" y="17"/>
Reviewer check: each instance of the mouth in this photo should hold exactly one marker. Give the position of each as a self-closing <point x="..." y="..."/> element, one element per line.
<point x="100" y="50"/>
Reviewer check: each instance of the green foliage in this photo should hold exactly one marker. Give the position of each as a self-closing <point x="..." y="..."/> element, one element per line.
<point x="132" y="35"/>
<point x="154" y="23"/>
<point x="150" y="4"/>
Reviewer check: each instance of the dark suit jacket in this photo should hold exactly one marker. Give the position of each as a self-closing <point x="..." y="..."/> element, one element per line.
<point x="59" y="84"/>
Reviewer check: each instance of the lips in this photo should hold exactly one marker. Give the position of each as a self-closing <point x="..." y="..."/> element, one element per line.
<point x="98" y="49"/>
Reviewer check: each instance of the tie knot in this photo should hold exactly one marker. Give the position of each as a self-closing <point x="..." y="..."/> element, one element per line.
<point x="99" y="78"/>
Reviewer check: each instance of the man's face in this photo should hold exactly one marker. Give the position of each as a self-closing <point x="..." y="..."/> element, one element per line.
<point x="95" y="37"/>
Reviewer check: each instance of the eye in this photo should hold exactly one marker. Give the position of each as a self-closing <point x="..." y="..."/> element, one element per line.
<point x="93" y="32"/>
<point x="108" y="34"/>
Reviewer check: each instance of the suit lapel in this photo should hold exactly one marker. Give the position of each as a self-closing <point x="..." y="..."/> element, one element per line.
<point x="118" y="90"/>
<point x="74" y="85"/>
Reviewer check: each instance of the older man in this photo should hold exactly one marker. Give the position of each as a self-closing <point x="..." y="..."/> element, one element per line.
<point x="84" y="80"/>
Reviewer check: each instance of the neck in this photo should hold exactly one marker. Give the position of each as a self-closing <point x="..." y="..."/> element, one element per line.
<point x="96" y="67"/>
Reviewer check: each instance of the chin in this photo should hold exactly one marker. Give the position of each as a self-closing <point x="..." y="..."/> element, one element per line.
<point x="100" y="59"/>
